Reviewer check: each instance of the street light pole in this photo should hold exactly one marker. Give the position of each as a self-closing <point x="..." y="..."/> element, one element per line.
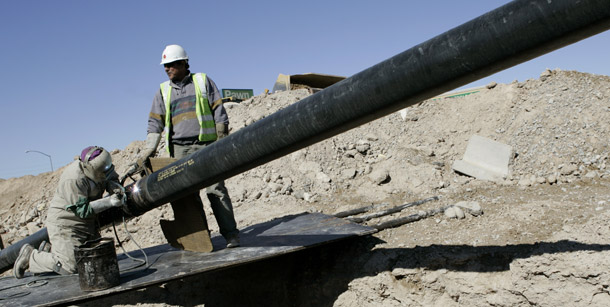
<point x="42" y="153"/>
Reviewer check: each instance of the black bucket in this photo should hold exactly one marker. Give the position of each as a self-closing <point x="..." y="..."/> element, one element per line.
<point x="97" y="265"/>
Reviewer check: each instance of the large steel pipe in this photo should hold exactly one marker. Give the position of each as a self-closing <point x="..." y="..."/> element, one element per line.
<point x="504" y="37"/>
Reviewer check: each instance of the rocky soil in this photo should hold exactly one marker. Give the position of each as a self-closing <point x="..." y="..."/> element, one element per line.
<point x="540" y="240"/>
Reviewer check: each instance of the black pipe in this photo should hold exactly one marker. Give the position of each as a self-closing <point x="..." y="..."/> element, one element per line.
<point x="509" y="35"/>
<point x="364" y="218"/>
<point x="9" y="254"/>
<point x="512" y="34"/>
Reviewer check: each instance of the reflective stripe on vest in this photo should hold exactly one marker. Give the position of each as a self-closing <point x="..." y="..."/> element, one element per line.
<point x="207" y="126"/>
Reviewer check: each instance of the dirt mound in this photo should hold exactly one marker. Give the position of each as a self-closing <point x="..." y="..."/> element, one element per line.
<point x="542" y="237"/>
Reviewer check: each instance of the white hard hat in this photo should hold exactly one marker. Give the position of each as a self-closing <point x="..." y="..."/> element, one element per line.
<point x="173" y="53"/>
<point x="97" y="164"/>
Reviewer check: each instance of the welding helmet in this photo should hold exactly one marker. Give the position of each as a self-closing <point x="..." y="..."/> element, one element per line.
<point x="173" y="53"/>
<point x="97" y="164"/>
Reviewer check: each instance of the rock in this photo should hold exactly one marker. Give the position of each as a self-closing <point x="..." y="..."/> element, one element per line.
<point x="348" y="173"/>
<point x="524" y="182"/>
<point x="371" y="137"/>
<point x="403" y="114"/>
<point x="442" y="185"/>
<point x="275" y="177"/>
<point x="427" y="151"/>
<point x="256" y="195"/>
<point x="450" y="212"/>
<point x="379" y="176"/>
<point x="148" y="219"/>
<point x="23" y="232"/>
<point x="491" y="85"/>
<point x="367" y="169"/>
<point x="309" y="197"/>
<point x="363" y="148"/>
<point x="438" y="165"/>
<point x="459" y="213"/>
<point x="568" y="170"/>
<point x="300" y="194"/>
<point x="545" y="74"/>
<point x="274" y="187"/>
<point x="472" y="207"/>
<point x="320" y="176"/>
<point x="351" y="153"/>
<point x="23" y="220"/>
<point x="309" y="166"/>
<point x="591" y="174"/>
<point x="286" y="189"/>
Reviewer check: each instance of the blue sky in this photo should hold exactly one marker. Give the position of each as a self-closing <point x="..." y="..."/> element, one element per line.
<point x="80" y="73"/>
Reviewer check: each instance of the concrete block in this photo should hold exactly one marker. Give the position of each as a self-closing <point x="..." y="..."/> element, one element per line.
<point x="485" y="159"/>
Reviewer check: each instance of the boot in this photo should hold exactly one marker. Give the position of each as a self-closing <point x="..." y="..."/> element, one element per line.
<point x="233" y="241"/>
<point x="23" y="261"/>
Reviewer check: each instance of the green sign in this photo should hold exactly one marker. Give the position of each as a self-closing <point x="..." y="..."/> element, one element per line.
<point x="237" y="94"/>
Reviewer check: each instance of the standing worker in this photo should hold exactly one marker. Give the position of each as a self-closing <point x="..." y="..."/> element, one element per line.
<point x="71" y="218"/>
<point x="188" y="108"/>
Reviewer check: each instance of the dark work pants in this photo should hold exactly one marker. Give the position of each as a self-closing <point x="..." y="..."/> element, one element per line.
<point x="217" y="195"/>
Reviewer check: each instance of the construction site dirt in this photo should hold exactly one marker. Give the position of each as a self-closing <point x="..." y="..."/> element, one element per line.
<point x="541" y="236"/>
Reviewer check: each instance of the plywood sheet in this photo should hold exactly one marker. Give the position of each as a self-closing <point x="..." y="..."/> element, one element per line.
<point x="271" y="239"/>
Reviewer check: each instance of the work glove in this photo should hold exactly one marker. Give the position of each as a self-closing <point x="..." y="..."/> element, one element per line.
<point x="106" y="203"/>
<point x="133" y="168"/>
<point x="111" y="184"/>
<point x="222" y="130"/>
<point x="152" y="141"/>
<point x="85" y="209"/>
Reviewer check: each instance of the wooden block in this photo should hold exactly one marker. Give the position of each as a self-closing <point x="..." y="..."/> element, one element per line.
<point x="159" y="163"/>
<point x="189" y="229"/>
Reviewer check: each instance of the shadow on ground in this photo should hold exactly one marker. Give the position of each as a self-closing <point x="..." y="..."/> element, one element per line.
<point x="317" y="276"/>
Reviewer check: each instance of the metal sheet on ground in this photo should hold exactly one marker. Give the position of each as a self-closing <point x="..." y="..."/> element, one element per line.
<point x="274" y="238"/>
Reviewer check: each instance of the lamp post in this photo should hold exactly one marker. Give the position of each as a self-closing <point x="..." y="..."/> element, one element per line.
<point x="42" y="153"/>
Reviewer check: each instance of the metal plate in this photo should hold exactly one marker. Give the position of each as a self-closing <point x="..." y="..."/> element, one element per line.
<point x="274" y="238"/>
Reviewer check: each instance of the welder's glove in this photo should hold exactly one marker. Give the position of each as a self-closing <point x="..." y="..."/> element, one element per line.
<point x="133" y="168"/>
<point x="222" y="130"/>
<point x="152" y="141"/>
<point x="106" y="203"/>
<point x="85" y="209"/>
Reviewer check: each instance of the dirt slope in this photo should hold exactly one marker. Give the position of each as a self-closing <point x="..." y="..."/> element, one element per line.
<point x="542" y="238"/>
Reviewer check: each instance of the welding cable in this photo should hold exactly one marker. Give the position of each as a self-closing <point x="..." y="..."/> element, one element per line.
<point x="142" y="262"/>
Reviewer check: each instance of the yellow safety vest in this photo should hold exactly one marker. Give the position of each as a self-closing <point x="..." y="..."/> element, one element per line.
<point x="207" y="126"/>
